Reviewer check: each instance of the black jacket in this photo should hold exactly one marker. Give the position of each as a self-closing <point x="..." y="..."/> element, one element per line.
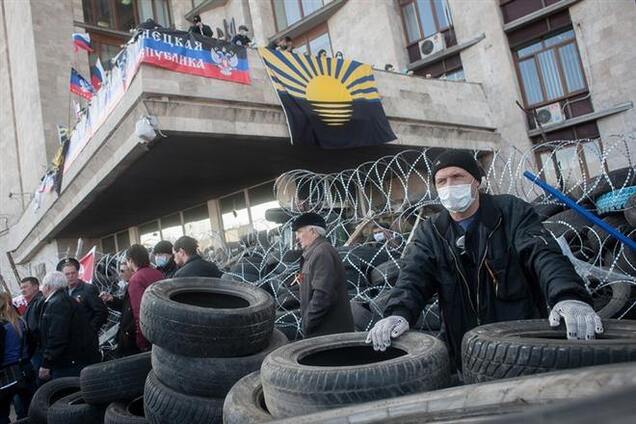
<point x="241" y="40"/>
<point x="169" y="269"/>
<point x="198" y="267"/>
<point x="324" y="303"/>
<point x="126" y="334"/>
<point x="513" y="270"/>
<point x="32" y="319"/>
<point x="204" y="30"/>
<point x="66" y="336"/>
<point x="88" y="296"/>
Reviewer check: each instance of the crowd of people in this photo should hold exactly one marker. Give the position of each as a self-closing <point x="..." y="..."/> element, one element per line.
<point x="487" y="257"/>
<point x="57" y="334"/>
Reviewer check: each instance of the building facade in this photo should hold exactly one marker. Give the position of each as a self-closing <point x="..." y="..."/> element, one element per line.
<point x="472" y="74"/>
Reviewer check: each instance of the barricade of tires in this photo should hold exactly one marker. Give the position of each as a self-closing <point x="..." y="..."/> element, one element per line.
<point x="517" y="348"/>
<point x="107" y="392"/>
<point x="511" y="400"/>
<point x="207" y="334"/>
<point x="333" y="371"/>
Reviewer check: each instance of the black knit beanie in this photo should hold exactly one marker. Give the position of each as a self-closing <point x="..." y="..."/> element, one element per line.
<point x="460" y="159"/>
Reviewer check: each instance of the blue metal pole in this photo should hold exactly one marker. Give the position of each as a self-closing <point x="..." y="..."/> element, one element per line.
<point x="581" y="211"/>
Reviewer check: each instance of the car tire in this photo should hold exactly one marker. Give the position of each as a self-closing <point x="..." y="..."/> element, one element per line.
<point x="119" y="379"/>
<point x="478" y="403"/>
<point x="336" y="370"/>
<point x="126" y="412"/>
<point x="48" y="394"/>
<point x="245" y="403"/>
<point x="516" y="348"/>
<point x="162" y="405"/>
<point x="385" y="273"/>
<point x="207" y="317"/>
<point x="72" y="409"/>
<point x="208" y="377"/>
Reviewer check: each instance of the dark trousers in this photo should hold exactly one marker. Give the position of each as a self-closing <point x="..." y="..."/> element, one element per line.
<point x="6" y="396"/>
<point x="68" y="371"/>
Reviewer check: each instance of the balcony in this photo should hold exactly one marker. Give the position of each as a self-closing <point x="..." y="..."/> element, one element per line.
<point x="219" y="137"/>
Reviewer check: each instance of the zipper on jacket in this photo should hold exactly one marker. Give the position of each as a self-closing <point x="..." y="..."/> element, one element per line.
<point x="472" y="305"/>
<point x="483" y="260"/>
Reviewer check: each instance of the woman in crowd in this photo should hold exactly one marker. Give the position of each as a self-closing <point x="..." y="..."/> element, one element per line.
<point x="13" y="372"/>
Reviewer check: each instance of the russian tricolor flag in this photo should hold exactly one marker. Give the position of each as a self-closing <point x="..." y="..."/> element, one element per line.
<point x="80" y="86"/>
<point x="97" y="74"/>
<point x="82" y="41"/>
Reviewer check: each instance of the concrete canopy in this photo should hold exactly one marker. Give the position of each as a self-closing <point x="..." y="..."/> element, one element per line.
<point x="184" y="170"/>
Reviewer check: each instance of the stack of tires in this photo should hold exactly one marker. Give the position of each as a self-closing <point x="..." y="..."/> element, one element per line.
<point x="206" y="333"/>
<point x="334" y="371"/>
<point x="517" y="348"/>
<point x="108" y="392"/>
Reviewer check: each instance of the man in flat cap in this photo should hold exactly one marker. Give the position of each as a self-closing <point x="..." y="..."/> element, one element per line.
<point x="87" y="295"/>
<point x="489" y="259"/>
<point x="324" y="304"/>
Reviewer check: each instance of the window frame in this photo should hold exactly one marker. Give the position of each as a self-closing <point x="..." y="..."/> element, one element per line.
<point x="554" y="47"/>
<point x="403" y="3"/>
<point x="314" y="33"/>
<point x="302" y="14"/>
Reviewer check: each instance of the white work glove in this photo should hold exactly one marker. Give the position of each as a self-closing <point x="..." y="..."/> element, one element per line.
<point x="580" y="319"/>
<point x="385" y="329"/>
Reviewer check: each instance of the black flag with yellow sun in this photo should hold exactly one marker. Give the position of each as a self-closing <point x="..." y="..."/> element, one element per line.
<point x="331" y="103"/>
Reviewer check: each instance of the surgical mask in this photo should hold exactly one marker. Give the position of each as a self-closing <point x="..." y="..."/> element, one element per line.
<point x="379" y="237"/>
<point x="161" y="261"/>
<point x="456" y="198"/>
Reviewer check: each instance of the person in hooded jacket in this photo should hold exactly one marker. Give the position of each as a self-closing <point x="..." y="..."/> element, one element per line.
<point x="489" y="259"/>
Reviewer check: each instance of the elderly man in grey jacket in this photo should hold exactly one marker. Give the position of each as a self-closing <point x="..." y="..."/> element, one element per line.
<point x="324" y="304"/>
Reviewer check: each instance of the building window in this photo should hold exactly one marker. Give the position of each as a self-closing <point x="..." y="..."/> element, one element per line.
<point x="288" y="12"/>
<point x="116" y="242"/>
<point x="262" y="198"/>
<point x="514" y="9"/>
<point x="311" y="46"/>
<point x="235" y="216"/>
<point x="110" y="21"/>
<point x="171" y="227"/>
<point x="313" y="41"/>
<point x="457" y="75"/>
<point x="196" y="224"/>
<point x="550" y="69"/>
<point x="447" y="68"/>
<point x="149" y="234"/>
<point x="423" y="18"/>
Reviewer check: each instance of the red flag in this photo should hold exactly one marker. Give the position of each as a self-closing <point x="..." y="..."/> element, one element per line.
<point x="87" y="265"/>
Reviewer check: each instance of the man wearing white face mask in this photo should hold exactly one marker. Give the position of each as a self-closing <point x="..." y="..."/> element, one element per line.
<point x="489" y="259"/>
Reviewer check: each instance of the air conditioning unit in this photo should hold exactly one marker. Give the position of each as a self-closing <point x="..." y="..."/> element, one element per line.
<point x="550" y="114"/>
<point x="431" y="45"/>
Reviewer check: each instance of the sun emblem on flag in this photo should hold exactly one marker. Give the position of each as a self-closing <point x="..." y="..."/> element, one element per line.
<point x="330" y="85"/>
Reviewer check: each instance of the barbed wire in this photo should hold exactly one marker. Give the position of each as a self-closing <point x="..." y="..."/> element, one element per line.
<point x="396" y="191"/>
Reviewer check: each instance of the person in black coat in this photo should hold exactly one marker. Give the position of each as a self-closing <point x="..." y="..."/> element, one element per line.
<point x="67" y="339"/>
<point x="126" y="332"/>
<point x="191" y="264"/>
<point x="489" y="259"/>
<point x="241" y="39"/>
<point x="85" y="294"/>
<point x="200" y="28"/>
<point x="324" y="303"/>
